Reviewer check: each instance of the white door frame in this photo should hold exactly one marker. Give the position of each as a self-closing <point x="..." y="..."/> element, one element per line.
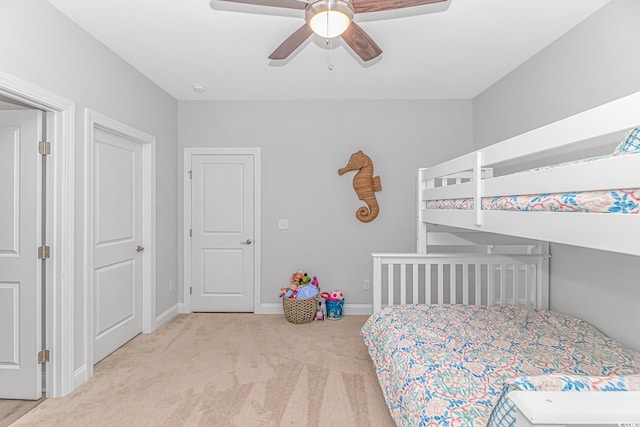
<point x="188" y="153"/>
<point x="60" y="223"/>
<point x="95" y="120"/>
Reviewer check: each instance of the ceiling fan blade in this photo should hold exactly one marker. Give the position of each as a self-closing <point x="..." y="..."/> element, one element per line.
<point x="290" y="44"/>
<point x="287" y="4"/>
<point x="363" y="6"/>
<point x="361" y="43"/>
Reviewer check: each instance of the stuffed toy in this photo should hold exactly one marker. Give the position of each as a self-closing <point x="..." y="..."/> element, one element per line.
<point x="337" y="295"/>
<point x="333" y="296"/>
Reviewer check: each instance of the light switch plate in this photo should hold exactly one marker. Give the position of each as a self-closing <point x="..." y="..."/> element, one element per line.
<point x="283" y="224"/>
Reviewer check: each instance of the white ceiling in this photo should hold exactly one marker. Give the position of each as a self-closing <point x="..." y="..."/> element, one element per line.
<point x="455" y="53"/>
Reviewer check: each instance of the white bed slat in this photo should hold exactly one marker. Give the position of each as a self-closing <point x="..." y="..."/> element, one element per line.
<point x="527" y="287"/>
<point x="465" y="282"/>
<point x="491" y="291"/>
<point x="503" y="285"/>
<point x="514" y="278"/>
<point x="390" y="284"/>
<point x="440" y="283"/>
<point x="478" y="293"/>
<point x="414" y="282"/>
<point x="403" y="284"/>
<point x="477" y="187"/>
<point x="452" y="283"/>
<point x="465" y="290"/>
<point x="427" y="284"/>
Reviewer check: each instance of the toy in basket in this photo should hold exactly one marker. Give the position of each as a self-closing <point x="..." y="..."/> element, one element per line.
<point x="300" y="298"/>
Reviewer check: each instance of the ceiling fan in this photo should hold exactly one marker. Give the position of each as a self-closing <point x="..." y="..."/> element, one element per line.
<point x="333" y="18"/>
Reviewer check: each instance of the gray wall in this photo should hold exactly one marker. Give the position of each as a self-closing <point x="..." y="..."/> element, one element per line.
<point x="303" y="146"/>
<point x="596" y="62"/>
<point x="41" y="46"/>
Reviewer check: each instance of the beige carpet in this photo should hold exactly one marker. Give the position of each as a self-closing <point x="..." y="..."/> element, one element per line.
<point x="207" y="369"/>
<point x="11" y="410"/>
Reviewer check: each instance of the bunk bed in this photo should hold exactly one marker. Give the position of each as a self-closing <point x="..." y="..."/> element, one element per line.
<point x="461" y="332"/>
<point x="544" y="203"/>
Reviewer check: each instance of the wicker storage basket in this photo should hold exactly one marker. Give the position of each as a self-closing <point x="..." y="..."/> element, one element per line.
<point x="300" y="310"/>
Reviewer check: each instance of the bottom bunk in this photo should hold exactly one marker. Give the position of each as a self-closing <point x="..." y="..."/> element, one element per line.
<point x="456" y="330"/>
<point x="454" y="365"/>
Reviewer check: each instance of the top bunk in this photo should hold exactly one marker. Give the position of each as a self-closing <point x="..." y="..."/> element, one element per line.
<point x="514" y="188"/>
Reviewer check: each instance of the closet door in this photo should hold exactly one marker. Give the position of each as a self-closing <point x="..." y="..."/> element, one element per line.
<point x="20" y="273"/>
<point x="117" y="246"/>
<point x="222" y="244"/>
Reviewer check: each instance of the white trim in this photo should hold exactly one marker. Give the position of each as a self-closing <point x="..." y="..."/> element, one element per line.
<point x="80" y="376"/>
<point x="167" y="315"/>
<point x="271" y="308"/>
<point x="257" y="240"/>
<point x="95" y="120"/>
<point x="60" y="224"/>
<point x="349" y="309"/>
<point x="182" y="309"/>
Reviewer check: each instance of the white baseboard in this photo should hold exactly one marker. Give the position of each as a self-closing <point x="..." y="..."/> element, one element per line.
<point x="182" y="308"/>
<point x="358" y="309"/>
<point x="166" y="315"/>
<point x="80" y="376"/>
<point x="353" y="309"/>
<point x="271" y="308"/>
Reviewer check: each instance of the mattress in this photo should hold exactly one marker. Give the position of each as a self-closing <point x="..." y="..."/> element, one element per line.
<point x="449" y="365"/>
<point x="624" y="201"/>
<point x="611" y="201"/>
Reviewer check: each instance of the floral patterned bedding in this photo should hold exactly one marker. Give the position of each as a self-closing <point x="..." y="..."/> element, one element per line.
<point x="612" y="201"/>
<point x="625" y="201"/>
<point x="448" y="365"/>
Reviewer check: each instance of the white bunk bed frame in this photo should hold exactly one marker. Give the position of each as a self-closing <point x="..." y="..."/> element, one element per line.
<point x="502" y="257"/>
<point x="470" y="176"/>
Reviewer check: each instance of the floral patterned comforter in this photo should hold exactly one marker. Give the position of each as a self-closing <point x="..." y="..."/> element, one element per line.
<point x="447" y="365"/>
<point x="625" y="201"/>
<point x="611" y="201"/>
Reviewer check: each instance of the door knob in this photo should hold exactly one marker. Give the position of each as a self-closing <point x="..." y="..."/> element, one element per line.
<point x="247" y="242"/>
<point x="140" y="248"/>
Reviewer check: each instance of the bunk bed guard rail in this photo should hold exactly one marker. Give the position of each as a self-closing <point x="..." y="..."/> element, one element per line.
<point x="460" y="278"/>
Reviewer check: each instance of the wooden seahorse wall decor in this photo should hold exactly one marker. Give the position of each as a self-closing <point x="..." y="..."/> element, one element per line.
<point x="365" y="185"/>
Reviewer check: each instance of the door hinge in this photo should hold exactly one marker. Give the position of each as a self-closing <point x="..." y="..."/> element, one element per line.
<point x="44" y="252"/>
<point x="190" y="290"/>
<point x="44" y="148"/>
<point x="190" y="232"/>
<point x="43" y="356"/>
<point x="190" y="174"/>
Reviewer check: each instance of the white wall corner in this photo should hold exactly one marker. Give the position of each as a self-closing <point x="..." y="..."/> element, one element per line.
<point x="166" y="315"/>
<point x="80" y="376"/>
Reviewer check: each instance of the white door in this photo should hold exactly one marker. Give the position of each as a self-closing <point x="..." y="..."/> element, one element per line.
<point x="20" y="278"/>
<point x="117" y="249"/>
<point x="222" y="220"/>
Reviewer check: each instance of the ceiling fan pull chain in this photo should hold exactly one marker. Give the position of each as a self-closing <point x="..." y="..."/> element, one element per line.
<point x="330" y="43"/>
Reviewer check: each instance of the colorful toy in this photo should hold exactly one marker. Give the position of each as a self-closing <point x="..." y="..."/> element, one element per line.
<point x="333" y="296"/>
<point x="298" y="284"/>
<point x="321" y="314"/>
<point x="307" y="291"/>
<point x="289" y="292"/>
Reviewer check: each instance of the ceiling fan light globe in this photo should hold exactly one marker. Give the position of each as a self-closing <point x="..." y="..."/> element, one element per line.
<point x="329" y="18"/>
<point x="329" y="26"/>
